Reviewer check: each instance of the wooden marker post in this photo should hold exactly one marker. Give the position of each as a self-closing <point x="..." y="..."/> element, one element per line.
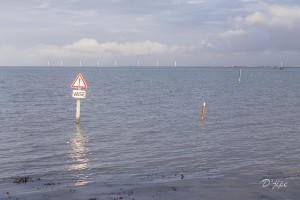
<point x="203" y="112"/>
<point x="79" y="83"/>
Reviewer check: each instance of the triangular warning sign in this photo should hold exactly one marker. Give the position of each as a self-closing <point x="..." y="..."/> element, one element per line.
<point x="79" y="82"/>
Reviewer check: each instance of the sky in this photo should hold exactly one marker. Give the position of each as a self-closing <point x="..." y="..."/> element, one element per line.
<point x="128" y="32"/>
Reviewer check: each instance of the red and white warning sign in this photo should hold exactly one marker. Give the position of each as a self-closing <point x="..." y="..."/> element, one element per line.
<point x="79" y="82"/>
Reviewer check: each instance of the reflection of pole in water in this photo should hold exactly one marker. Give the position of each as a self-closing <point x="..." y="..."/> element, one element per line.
<point x="202" y="124"/>
<point x="202" y="137"/>
<point x="80" y="161"/>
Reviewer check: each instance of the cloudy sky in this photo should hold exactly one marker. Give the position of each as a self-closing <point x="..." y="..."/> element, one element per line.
<point x="190" y="32"/>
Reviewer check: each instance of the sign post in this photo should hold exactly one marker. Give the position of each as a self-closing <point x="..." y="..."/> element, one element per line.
<point x="77" y="111"/>
<point x="79" y="84"/>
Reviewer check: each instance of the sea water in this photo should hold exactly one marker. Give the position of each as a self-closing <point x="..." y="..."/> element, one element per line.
<point x="143" y="125"/>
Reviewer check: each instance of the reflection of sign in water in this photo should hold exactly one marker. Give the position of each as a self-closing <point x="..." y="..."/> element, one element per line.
<point x="80" y="161"/>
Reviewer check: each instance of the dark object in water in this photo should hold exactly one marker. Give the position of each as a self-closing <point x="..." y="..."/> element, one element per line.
<point x="50" y="183"/>
<point x="182" y="176"/>
<point x="21" y="180"/>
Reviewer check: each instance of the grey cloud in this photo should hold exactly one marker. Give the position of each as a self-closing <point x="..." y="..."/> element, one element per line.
<point x="204" y="29"/>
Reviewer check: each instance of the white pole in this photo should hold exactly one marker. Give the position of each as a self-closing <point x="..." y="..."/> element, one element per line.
<point x="78" y="111"/>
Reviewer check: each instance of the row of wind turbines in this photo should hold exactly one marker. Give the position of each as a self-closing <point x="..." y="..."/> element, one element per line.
<point x="115" y="63"/>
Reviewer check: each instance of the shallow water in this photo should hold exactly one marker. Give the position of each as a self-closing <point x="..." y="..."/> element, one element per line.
<point x="142" y="125"/>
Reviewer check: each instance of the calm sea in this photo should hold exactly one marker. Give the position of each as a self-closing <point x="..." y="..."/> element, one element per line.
<point x="143" y="125"/>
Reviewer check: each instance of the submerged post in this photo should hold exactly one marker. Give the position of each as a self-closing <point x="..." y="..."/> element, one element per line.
<point x="203" y="112"/>
<point x="240" y="74"/>
<point x="79" y="83"/>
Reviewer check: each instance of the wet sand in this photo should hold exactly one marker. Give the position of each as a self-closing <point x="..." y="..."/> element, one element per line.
<point x="248" y="187"/>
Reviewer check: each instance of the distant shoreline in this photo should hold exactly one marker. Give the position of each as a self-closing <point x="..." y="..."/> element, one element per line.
<point x="145" y="67"/>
